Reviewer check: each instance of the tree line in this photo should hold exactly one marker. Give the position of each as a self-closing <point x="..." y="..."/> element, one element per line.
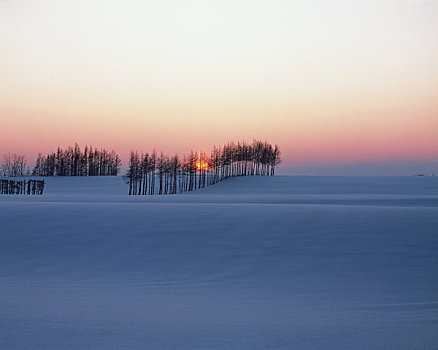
<point x="150" y="173"/>
<point x="29" y="187"/>
<point x="75" y="162"/>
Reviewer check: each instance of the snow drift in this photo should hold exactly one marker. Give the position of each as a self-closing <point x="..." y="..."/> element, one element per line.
<point x="250" y="263"/>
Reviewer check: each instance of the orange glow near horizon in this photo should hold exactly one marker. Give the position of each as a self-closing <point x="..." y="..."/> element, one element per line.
<point x="202" y="165"/>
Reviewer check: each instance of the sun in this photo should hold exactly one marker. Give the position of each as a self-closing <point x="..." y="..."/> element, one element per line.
<point x="202" y="165"/>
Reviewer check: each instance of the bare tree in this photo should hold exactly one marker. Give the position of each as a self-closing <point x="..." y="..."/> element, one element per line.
<point x="200" y="170"/>
<point x="14" y="165"/>
<point x="73" y="162"/>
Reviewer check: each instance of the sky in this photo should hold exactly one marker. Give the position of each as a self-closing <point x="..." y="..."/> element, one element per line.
<point x="342" y="86"/>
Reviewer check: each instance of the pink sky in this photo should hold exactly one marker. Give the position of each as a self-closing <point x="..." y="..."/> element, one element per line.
<point x="335" y="82"/>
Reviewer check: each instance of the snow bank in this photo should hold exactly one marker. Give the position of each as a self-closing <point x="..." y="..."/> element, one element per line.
<point x="250" y="263"/>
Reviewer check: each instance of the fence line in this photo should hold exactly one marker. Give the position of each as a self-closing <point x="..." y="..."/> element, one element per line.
<point x="22" y="187"/>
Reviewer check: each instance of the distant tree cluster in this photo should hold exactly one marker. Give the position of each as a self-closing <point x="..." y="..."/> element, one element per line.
<point x="150" y="174"/>
<point x="75" y="162"/>
<point x="13" y="165"/>
<point x="35" y="187"/>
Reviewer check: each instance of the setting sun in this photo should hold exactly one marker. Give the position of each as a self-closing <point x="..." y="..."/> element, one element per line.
<point x="202" y="165"/>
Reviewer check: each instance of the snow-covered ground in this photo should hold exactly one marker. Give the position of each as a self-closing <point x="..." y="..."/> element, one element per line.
<point x="250" y="263"/>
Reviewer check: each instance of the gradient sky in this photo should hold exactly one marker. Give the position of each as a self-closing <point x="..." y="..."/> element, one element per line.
<point x="334" y="83"/>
